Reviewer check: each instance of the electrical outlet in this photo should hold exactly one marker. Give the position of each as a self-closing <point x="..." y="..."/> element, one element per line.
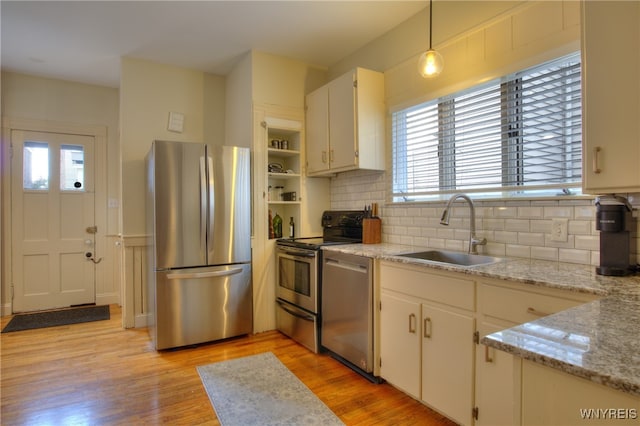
<point x="559" y="229"/>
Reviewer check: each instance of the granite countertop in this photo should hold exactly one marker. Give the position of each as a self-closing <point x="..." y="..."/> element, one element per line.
<point x="598" y="340"/>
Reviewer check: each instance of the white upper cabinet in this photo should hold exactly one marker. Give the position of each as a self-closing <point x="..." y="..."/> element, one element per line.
<point x="611" y="96"/>
<point x="346" y="124"/>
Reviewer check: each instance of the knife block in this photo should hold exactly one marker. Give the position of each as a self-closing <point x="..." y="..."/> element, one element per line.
<point x="371" y="230"/>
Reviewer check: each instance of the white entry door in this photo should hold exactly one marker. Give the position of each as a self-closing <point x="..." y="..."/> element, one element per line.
<point x="53" y="218"/>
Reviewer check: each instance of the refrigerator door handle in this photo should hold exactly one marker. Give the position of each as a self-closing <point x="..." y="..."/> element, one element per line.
<point x="209" y="274"/>
<point x="203" y="206"/>
<point x="211" y="203"/>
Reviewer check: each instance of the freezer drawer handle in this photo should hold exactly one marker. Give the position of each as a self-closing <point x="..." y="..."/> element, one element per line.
<point x="204" y="274"/>
<point x="294" y="313"/>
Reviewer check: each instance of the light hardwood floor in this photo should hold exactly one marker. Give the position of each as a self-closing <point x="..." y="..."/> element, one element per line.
<point x="101" y="374"/>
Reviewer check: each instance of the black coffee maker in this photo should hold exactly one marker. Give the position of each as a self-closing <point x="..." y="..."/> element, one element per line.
<point x="613" y="220"/>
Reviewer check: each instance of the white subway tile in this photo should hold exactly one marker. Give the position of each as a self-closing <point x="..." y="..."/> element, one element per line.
<point x="506" y="212"/>
<point x="542" y="226"/>
<point x="505" y="237"/>
<point x="574" y="256"/>
<point x="493" y="224"/>
<point x="561" y="212"/>
<point x="518" y="225"/>
<point x="544" y="253"/>
<point x="580" y="227"/>
<point x="531" y="239"/>
<point x="530" y="212"/>
<point x="514" y="250"/>
<point x="587" y="242"/>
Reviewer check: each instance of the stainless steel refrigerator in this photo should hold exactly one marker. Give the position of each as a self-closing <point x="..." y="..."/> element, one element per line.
<point x="199" y="213"/>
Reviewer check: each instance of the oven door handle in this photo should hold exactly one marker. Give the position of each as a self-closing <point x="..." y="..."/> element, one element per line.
<point x="294" y="313"/>
<point x="299" y="254"/>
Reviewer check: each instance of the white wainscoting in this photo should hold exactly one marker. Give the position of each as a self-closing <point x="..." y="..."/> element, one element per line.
<point x="134" y="280"/>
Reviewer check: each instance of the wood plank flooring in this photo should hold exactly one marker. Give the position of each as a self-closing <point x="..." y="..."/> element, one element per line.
<point x="98" y="373"/>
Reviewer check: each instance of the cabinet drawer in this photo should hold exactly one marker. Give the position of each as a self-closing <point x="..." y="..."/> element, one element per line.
<point x="414" y="281"/>
<point x="520" y="306"/>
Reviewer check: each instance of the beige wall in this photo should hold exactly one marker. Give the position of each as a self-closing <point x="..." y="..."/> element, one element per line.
<point x="478" y="40"/>
<point x="148" y="93"/>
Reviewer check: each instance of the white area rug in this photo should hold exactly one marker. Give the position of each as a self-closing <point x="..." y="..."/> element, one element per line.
<point x="260" y="390"/>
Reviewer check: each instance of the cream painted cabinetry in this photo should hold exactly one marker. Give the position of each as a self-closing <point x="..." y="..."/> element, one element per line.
<point x="611" y="96"/>
<point x="426" y="337"/>
<point x="552" y="397"/>
<point x="498" y="374"/>
<point x="272" y="122"/>
<point x="346" y="124"/>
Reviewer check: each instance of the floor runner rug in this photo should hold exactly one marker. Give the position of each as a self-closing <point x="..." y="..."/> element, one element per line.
<point x="58" y="317"/>
<point x="260" y="390"/>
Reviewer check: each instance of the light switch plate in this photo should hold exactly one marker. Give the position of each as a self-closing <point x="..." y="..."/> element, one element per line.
<point x="559" y="230"/>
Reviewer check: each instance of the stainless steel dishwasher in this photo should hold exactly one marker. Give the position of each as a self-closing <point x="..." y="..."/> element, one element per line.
<point x="347" y="309"/>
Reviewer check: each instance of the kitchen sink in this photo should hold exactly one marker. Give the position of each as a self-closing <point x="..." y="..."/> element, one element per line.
<point x="453" y="257"/>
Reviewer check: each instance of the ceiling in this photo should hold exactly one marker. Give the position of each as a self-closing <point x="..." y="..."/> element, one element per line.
<point x="84" y="40"/>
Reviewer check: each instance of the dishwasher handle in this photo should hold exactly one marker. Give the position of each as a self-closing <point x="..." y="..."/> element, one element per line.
<point x="347" y="265"/>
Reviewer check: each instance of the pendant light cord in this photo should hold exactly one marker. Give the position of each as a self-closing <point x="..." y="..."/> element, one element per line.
<point x="430" y="23"/>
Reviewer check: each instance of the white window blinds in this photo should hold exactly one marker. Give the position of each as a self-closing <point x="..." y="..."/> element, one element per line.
<point x="519" y="135"/>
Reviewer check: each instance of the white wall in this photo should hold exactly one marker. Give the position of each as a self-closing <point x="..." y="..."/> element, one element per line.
<point x="504" y="38"/>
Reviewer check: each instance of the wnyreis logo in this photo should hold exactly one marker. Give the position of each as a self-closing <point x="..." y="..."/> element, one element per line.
<point x="608" y="413"/>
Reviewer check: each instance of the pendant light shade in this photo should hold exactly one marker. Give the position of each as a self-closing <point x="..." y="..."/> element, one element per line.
<point x="431" y="62"/>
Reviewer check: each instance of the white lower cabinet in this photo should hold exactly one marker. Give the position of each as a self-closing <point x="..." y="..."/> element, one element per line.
<point x="497" y="388"/>
<point x="552" y="397"/>
<point x="400" y="342"/>
<point x="498" y="375"/>
<point x="430" y="323"/>
<point x="426" y="343"/>
<point x="447" y="361"/>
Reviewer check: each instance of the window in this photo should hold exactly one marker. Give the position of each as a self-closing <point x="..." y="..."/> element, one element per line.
<point x="520" y="135"/>
<point x="71" y="168"/>
<point x="35" y="166"/>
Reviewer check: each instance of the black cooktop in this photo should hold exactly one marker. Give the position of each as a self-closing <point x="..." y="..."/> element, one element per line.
<point x="338" y="227"/>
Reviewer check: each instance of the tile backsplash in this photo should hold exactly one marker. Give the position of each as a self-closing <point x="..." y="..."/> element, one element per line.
<point x="520" y="228"/>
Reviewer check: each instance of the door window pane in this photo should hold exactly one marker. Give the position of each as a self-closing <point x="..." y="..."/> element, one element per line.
<point x="72" y="168"/>
<point x="35" y="174"/>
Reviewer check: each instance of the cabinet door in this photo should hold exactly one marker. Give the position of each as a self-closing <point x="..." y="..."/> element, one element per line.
<point x="447" y="362"/>
<point x="400" y="342"/>
<point x="318" y="131"/>
<point x="611" y="96"/>
<point x="342" y="123"/>
<point x="497" y="381"/>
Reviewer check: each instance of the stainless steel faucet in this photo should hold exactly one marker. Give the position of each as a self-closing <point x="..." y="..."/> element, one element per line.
<point x="473" y="240"/>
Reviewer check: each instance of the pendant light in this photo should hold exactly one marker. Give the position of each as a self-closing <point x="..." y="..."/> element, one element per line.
<point x="431" y="62"/>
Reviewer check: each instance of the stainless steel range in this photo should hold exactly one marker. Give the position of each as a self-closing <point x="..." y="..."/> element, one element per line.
<point x="299" y="275"/>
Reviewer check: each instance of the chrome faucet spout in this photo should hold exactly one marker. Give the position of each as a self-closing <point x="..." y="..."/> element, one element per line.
<point x="473" y="240"/>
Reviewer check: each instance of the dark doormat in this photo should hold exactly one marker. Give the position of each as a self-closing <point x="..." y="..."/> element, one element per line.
<point x="57" y="317"/>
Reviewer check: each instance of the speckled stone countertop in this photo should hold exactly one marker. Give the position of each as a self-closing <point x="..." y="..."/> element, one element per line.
<point x="599" y="340"/>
